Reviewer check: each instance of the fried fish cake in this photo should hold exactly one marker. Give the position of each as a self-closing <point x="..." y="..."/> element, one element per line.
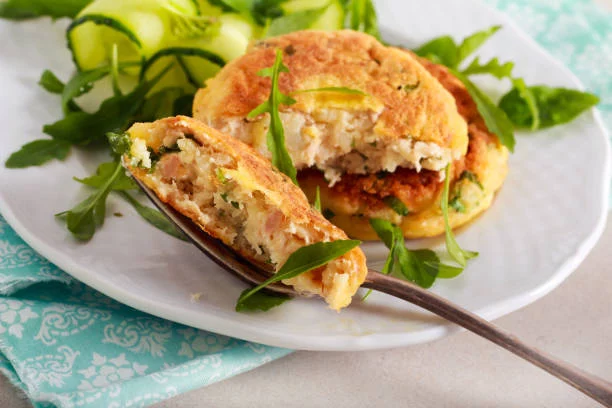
<point x="475" y="179"/>
<point x="235" y="195"/>
<point x="405" y="119"/>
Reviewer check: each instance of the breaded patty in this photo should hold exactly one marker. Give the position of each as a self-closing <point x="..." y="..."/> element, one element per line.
<point x="475" y="179"/>
<point x="407" y="119"/>
<point x="235" y="195"/>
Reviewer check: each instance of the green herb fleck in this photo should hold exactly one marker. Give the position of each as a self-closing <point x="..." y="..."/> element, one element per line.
<point x="120" y="142"/>
<point x="460" y="255"/>
<point x="396" y="205"/>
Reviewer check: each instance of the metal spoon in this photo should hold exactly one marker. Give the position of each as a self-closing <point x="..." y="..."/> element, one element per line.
<point x="591" y="385"/>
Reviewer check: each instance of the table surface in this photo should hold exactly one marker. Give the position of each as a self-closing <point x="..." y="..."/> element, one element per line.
<point x="573" y="322"/>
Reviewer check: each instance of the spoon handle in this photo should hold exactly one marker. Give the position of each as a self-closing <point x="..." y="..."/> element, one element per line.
<point x="591" y="385"/>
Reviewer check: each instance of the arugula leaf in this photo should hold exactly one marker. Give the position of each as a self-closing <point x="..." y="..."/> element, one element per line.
<point x="38" y="152"/>
<point x="51" y="83"/>
<point x="396" y="205"/>
<point x="529" y="99"/>
<point x="114" y="114"/>
<point x="495" y="118"/>
<point x="183" y="105"/>
<point x="303" y="260"/>
<point x="239" y="6"/>
<point x="492" y="67"/>
<point x="154" y="217"/>
<point x="103" y="173"/>
<point x="297" y="21"/>
<point x="360" y="15"/>
<point x="82" y="82"/>
<point x="444" y="50"/>
<point x="468" y="175"/>
<point x="261" y="301"/>
<point x="418" y="266"/>
<point x="335" y="89"/>
<point x="317" y="202"/>
<point x="26" y="9"/>
<point x="276" y="134"/>
<point x="555" y="106"/>
<point x="85" y="217"/>
<point x="264" y="10"/>
<point x="163" y="104"/>
<point x="471" y="43"/>
<point x="460" y="255"/>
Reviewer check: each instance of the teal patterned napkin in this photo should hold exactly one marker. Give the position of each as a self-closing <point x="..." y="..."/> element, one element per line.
<point x="67" y="345"/>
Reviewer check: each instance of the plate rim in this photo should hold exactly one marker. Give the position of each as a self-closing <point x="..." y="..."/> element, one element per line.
<point x="345" y="342"/>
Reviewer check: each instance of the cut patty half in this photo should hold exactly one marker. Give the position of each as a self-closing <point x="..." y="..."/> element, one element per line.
<point x="406" y="119"/>
<point x="476" y="177"/>
<point x="236" y="196"/>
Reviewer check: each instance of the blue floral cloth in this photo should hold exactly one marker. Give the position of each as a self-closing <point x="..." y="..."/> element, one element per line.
<point x="67" y="345"/>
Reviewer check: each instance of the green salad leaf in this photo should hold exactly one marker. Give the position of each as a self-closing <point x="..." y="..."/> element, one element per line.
<point x="262" y="11"/>
<point x="360" y="15"/>
<point x="495" y="118"/>
<point x="396" y="205"/>
<point x="555" y="106"/>
<point x="492" y="67"/>
<point x="82" y="82"/>
<point x="297" y="21"/>
<point x="120" y="183"/>
<point x="444" y="50"/>
<point x="26" y="9"/>
<point x="51" y="83"/>
<point x="103" y="173"/>
<point x="89" y="214"/>
<point x="261" y="302"/>
<point x="114" y="114"/>
<point x="301" y="261"/>
<point x="460" y="255"/>
<point x="38" y="152"/>
<point x="471" y="43"/>
<point x="276" y="134"/>
<point x="154" y="217"/>
<point x="421" y="266"/>
<point x="528" y="98"/>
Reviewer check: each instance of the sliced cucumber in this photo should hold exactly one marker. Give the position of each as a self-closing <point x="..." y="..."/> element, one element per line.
<point x="231" y="38"/>
<point x="332" y="19"/>
<point x="138" y="27"/>
<point x="193" y="66"/>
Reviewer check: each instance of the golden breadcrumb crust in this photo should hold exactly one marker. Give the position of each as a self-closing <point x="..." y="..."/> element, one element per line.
<point x="410" y="101"/>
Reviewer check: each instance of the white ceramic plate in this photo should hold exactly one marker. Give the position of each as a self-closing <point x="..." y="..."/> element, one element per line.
<point x="548" y="216"/>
